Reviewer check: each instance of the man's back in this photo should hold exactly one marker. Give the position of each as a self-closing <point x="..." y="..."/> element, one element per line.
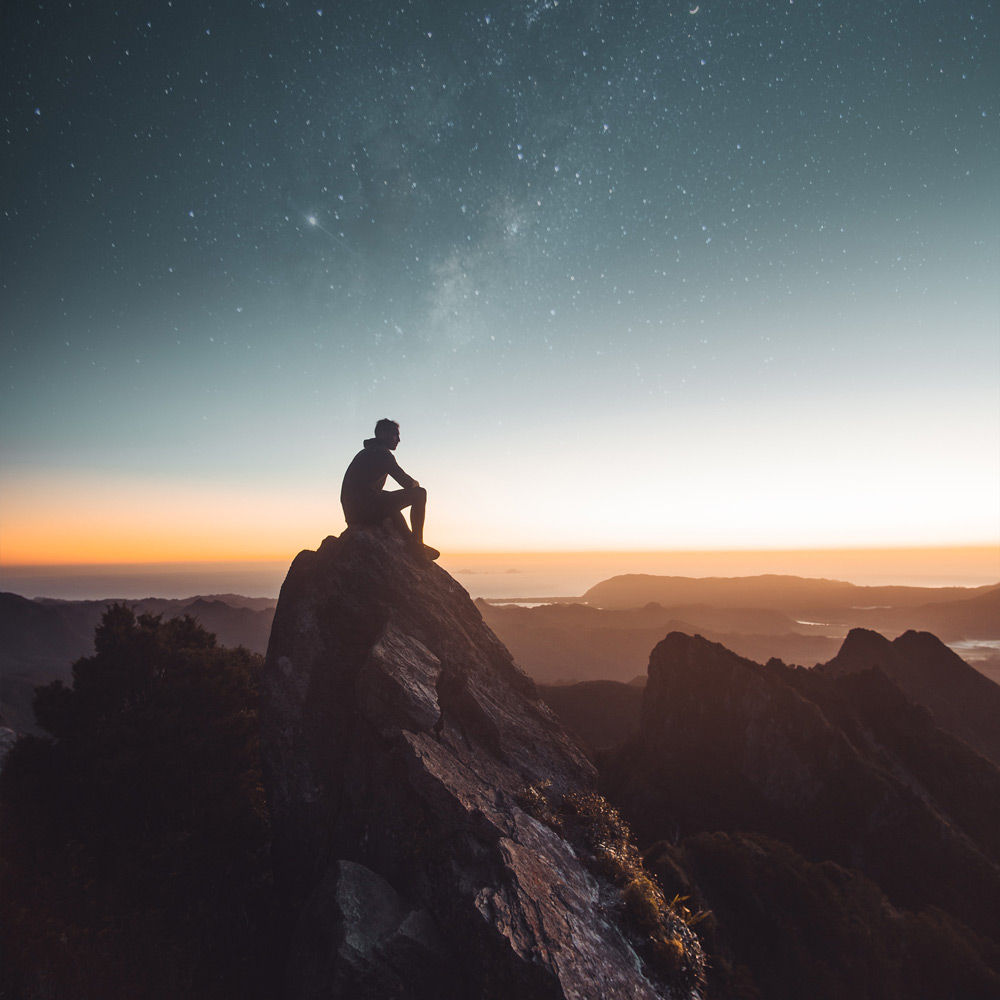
<point x="364" y="479"/>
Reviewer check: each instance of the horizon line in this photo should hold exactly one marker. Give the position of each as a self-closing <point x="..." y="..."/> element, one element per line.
<point x="981" y="548"/>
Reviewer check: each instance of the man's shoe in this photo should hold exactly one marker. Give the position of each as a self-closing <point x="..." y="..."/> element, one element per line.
<point x="424" y="553"/>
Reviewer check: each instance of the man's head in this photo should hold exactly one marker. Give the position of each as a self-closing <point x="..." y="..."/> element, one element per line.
<point x="387" y="433"/>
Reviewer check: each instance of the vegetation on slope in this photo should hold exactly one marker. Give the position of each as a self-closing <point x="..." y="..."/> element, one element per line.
<point x="135" y="839"/>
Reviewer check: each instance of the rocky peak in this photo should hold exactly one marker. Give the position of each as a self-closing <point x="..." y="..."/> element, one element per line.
<point x="399" y="738"/>
<point x="714" y="720"/>
<point x="962" y="700"/>
<point x="862" y="649"/>
<point x="843" y="768"/>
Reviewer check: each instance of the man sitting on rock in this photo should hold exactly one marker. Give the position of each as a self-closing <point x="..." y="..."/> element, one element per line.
<point x="366" y="502"/>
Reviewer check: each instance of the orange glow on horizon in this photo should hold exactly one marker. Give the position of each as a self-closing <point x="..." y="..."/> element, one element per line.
<point x="980" y="562"/>
<point x="111" y="522"/>
<point x="106" y="540"/>
<point x="56" y="519"/>
<point x="967" y="561"/>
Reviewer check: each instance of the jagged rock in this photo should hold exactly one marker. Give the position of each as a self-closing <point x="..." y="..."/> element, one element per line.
<point x="960" y="698"/>
<point x="844" y="769"/>
<point x="397" y="736"/>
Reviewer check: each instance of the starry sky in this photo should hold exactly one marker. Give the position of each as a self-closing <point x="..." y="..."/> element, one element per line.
<point x="633" y="274"/>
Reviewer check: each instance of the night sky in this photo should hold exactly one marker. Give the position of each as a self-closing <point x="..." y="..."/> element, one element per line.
<point x="629" y="274"/>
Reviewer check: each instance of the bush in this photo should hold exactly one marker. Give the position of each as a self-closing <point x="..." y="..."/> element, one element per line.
<point x="660" y="929"/>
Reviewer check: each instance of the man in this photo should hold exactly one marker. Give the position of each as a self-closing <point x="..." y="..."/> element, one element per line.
<point x="366" y="502"/>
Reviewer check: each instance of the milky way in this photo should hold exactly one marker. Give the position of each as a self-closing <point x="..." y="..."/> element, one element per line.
<point x="266" y="224"/>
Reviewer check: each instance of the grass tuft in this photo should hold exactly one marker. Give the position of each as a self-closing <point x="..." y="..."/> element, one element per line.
<point x="660" y="929"/>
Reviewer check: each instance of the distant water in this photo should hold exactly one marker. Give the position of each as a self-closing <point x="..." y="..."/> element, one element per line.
<point x="95" y="583"/>
<point x="264" y="580"/>
<point x="517" y="575"/>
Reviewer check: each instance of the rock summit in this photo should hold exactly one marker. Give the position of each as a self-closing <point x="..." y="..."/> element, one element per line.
<point x="399" y="738"/>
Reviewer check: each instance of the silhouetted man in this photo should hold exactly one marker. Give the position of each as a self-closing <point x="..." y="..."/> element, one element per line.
<point x="366" y="502"/>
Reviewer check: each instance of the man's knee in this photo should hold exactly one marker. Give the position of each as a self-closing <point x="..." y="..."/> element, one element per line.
<point x="419" y="494"/>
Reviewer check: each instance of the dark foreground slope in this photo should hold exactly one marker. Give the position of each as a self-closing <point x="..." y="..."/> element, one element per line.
<point x="134" y="837"/>
<point x="864" y="815"/>
<point x="399" y="740"/>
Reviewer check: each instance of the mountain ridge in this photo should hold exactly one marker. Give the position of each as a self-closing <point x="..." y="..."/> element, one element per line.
<point x="832" y="766"/>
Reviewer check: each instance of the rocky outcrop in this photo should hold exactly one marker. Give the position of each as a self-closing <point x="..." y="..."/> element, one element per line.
<point x="844" y="769"/>
<point x="960" y="698"/>
<point x="398" y="736"/>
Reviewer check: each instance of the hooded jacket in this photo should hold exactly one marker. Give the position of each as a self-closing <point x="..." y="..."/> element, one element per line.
<point x="367" y="474"/>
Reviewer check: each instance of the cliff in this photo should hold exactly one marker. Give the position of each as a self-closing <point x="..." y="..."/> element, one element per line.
<point x="399" y="742"/>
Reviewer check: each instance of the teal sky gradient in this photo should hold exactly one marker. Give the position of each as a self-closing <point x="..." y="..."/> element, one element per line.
<point x="627" y="276"/>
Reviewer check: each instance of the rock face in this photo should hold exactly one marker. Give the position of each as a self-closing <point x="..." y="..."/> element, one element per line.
<point x="397" y="736"/>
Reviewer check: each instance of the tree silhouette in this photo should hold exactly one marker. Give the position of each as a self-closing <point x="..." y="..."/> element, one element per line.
<point x="135" y="840"/>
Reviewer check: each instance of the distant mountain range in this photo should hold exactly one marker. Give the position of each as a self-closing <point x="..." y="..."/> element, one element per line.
<point x="962" y="701"/>
<point x="799" y="597"/>
<point x="606" y="635"/>
<point x="609" y="633"/>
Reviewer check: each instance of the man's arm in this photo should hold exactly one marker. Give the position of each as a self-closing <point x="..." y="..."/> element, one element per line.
<point x="399" y="476"/>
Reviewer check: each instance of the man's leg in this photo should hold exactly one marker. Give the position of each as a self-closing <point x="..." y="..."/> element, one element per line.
<point x="418" y="510"/>
<point x="414" y="497"/>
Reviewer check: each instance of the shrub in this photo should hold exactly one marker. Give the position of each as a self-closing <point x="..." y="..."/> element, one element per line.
<point x="660" y="930"/>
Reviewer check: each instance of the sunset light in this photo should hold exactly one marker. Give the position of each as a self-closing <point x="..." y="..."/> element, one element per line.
<point x="672" y="283"/>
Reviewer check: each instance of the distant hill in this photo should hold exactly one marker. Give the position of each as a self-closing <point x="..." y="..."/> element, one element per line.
<point x="562" y="643"/>
<point x="803" y="598"/>
<point x="609" y="632"/>
<point x="976" y="617"/>
<point x="810" y="815"/>
<point x="962" y="700"/>
<point x="40" y="639"/>
<point x="37" y="645"/>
